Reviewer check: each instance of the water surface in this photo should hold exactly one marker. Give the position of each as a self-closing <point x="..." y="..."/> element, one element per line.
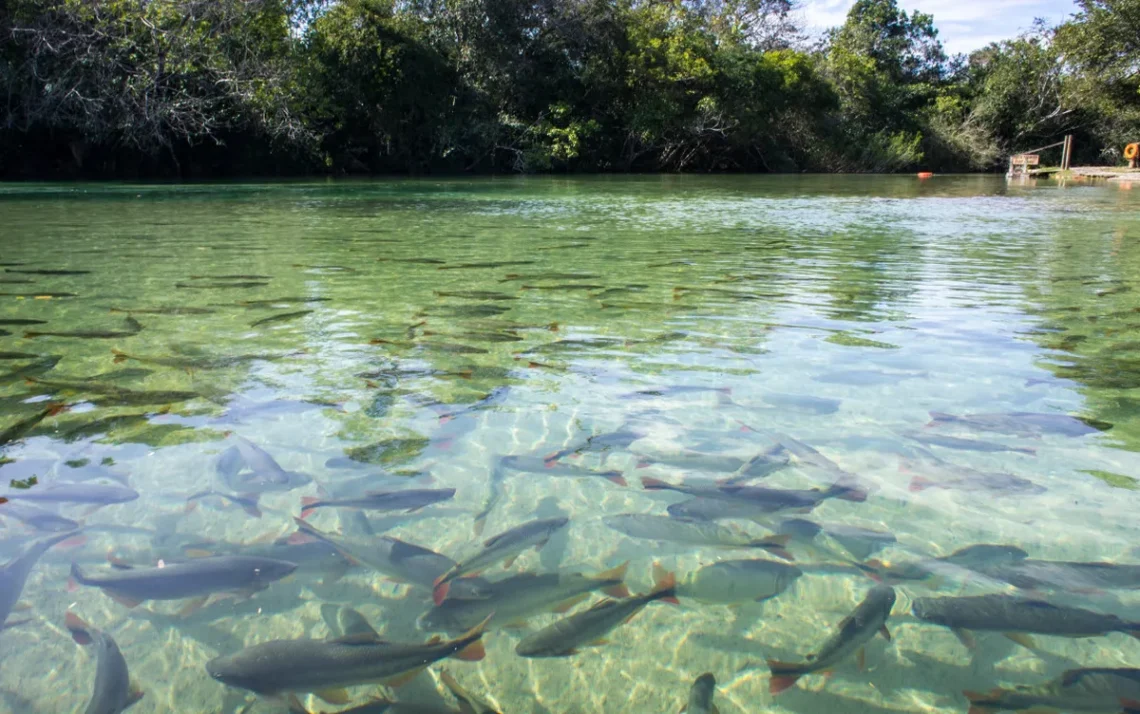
<point x="426" y="329"/>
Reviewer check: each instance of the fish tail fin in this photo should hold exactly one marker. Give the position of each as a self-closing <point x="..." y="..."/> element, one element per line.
<point x="849" y="493"/>
<point x="80" y="630"/>
<point x="919" y="483"/>
<point x="617" y="478"/>
<point x="653" y="484"/>
<point x="77" y="577"/>
<point x="776" y="545"/>
<point x="472" y="649"/>
<point x="665" y="586"/>
<point x="120" y="356"/>
<point x="439" y="592"/>
<point x="937" y="418"/>
<point x="307" y="506"/>
<point x="873" y="569"/>
<point x="56" y="408"/>
<point x="976" y="705"/>
<point x="784" y="676"/>
<point x="615" y="573"/>
<point x="28" y="334"/>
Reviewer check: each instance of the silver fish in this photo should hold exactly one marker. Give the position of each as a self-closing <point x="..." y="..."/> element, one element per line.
<point x="408" y="500"/>
<point x="63" y="492"/>
<point x="736" y="581"/>
<point x="700" y="533"/>
<point x="701" y="696"/>
<point x="1022" y="423"/>
<point x="1076" y="690"/>
<point x="114" y="692"/>
<point x="15" y="573"/>
<point x="502" y="547"/>
<point x="538" y="465"/>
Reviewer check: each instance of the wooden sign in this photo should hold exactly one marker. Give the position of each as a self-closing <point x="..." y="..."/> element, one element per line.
<point x="1025" y="159"/>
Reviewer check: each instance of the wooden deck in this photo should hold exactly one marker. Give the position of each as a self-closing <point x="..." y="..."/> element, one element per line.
<point x="1111" y="173"/>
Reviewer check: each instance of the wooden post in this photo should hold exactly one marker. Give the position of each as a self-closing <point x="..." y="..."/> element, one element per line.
<point x="1067" y="152"/>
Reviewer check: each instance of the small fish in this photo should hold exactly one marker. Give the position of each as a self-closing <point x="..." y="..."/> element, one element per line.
<point x="230" y="277"/>
<point x="216" y="285"/>
<point x="518" y="597"/>
<point x="538" y="465"/>
<point x="192" y="578"/>
<point x="37" y="518"/>
<point x="677" y="390"/>
<point x="17" y="431"/>
<point x="413" y="261"/>
<point x="564" y="287"/>
<point x="64" y="492"/>
<point x="505" y="546"/>
<point x="14" y="574"/>
<point x="856" y="630"/>
<point x="478" y="336"/>
<point x="762" y="500"/>
<point x="264" y="475"/>
<point x="280" y="318"/>
<point x="589" y="627"/>
<point x="1017" y="617"/>
<point x="1022" y="423"/>
<point x="464" y="310"/>
<point x="40" y="296"/>
<point x="604" y="442"/>
<point x="301" y="299"/>
<point x="18" y="355"/>
<point x="489" y="264"/>
<point x="868" y="377"/>
<point x="326" y="667"/>
<point x="737" y="581"/>
<point x="1076" y="690"/>
<point x="48" y="272"/>
<point x="802" y="403"/>
<point x="169" y="310"/>
<point x="194" y="363"/>
<point x="701" y="696"/>
<point x="131" y="327"/>
<point x="41" y="365"/>
<point x="532" y="277"/>
<point x="953" y="442"/>
<point x="699" y="533"/>
<point x="1030" y="574"/>
<point x="468" y="703"/>
<point x="408" y="500"/>
<point x="114" y="692"/>
<point x="475" y="294"/>
<point x="932" y="472"/>
<point x="22" y="321"/>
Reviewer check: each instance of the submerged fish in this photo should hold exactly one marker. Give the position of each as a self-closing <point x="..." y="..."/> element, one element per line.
<point x="14" y="574"/>
<point x="1016" y="617"/>
<point x="114" y="692"/>
<point x="971" y="558"/>
<point x="953" y="442"/>
<point x="37" y="518"/>
<point x="1060" y="575"/>
<point x="589" y="627"/>
<point x="131" y="327"/>
<point x="18" y="355"/>
<point x="264" y="473"/>
<point x="1076" y="690"/>
<point x="860" y="542"/>
<point x="856" y="630"/>
<point x="700" y="533"/>
<point x="193" y="363"/>
<point x="48" y="272"/>
<point x="18" y="430"/>
<point x="932" y="472"/>
<point x="282" y="317"/>
<point x="187" y="579"/>
<point x="1022" y="423"/>
<point x="21" y="321"/>
<point x="306" y="665"/>
<point x="64" y="492"/>
<point x="538" y="465"/>
<point x="505" y="546"/>
<point x="759" y="500"/>
<point x="168" y="310"/>
<point x="736" y="581"/>
<point x="521" y="596"/>
<point x="215" y="285"/>
<point x="408" y="500"/>
<point x="400" y="560"/>
<point x="489" y="264"/>
<point x="701" y="696"/>
<point x="475" y="294"/>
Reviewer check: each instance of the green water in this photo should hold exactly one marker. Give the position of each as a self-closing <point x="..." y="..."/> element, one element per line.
<point x="428" y="328"/>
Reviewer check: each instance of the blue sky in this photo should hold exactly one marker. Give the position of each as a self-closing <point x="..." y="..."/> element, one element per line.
<point x="963" y="25"/>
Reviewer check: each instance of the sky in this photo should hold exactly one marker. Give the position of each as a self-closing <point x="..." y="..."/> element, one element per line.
<point x="963" y="25"/>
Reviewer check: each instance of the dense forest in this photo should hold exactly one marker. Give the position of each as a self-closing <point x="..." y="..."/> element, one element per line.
<point x="200" y="88"/>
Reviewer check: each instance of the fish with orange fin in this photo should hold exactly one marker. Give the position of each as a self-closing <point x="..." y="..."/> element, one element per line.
<point x="1076" y="690"/>
<point x="505" y="546"/>
<point x="325" y="667"/>
<point x="114" y="692"/>
<point x="867" y="620"/>
<point x="589" y="627"/>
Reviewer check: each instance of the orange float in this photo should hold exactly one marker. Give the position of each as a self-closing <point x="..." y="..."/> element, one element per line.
<point x="925" y="174"/>
<point x="1132" y="151"/>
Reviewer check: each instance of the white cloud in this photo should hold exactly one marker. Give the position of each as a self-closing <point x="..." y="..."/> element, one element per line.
<point x="963" y="25"/>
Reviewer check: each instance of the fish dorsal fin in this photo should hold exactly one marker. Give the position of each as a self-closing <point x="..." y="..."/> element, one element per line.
<point x="603" y="604"/>
<point x="353" y="624"/>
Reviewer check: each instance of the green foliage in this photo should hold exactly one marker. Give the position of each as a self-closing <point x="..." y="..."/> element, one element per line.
<point x="206" y="87"/>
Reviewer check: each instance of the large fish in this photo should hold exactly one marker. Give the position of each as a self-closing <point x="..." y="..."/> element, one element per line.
<point x="37" y="518"/>
<point x="114" y="692"/>
<point x="954" y="442"/>
<point x="962" y="562"/>
<point x="1017" y="617"/>
<point x="248" y="469"/>
<point x="856" y="630"/>
<point x="14" y="574"/>
<point x="519" y="597"/>
<point x="505" y="546"/>
<point x="21" y="428"/>
<point x="193" y="578"/>
<point x="1033" y="574"/>
<point x="589" y="627"/>
<point x="539" y="465"/>
<point x="735" y="581"/>
<point x="760" y="500"/>
<point x="932" y="472"/>
<point x="700" y="533"/>
<point x="701" y="696"/>
<point x="408" y="500"/>
<point x="400" y="560"/>
<point x="305" y="665"/>
<point x="1076" y="690"/>
<point x="1022" y="423"/>
<point x="860" y="542"/>
<point x="65" y="492"/>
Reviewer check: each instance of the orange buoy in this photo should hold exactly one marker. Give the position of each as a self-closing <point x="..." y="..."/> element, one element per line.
<point x="926" y="174"/>
<point x="1132" y="151"/>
